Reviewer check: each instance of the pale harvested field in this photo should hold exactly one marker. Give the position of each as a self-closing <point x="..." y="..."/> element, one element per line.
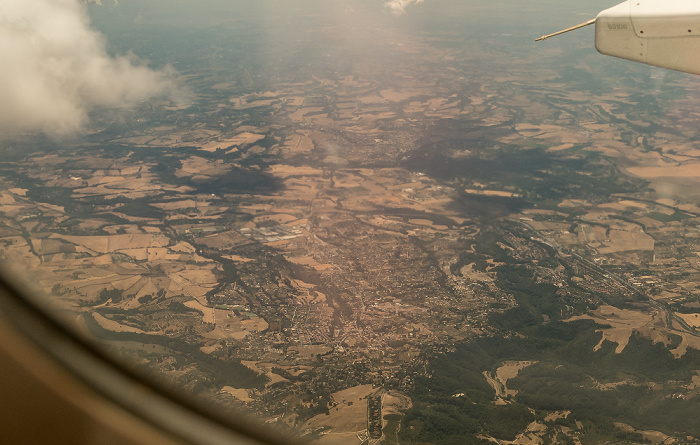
<point x="348" y="181"/>
<point x="395" y="403"/>
<point x="198" y="275"/>
<point x="624" y="323"/>
<point x="371" y="99"/>
<point x="284" y="171"/>
<point x="208" y="313"/>
<point x="294" y="101"/>
<point x="122" y="228"/>
<point x="255" y="208"/>
<point x="264" y="368"/>
<point x="183" y="247"/>
<point x="179" y="205"/>
<point x="649" y="222"/>
<point x="625" y="240"/>
<point x="112" y="325"/>
<point x="130" y="187"/>
<point x="239" y="139"/>
<point x="691" y="319"/>
<point x="190" y="284"/>
<point x="301" y="189"/>
<point x="436" y="103"/>
<point x="249" y="101"/>
<point x="148" y="288"/>
<point x="427" y="223"/>
<point x="396" y="96"/>
<point x="610" y="149"/>
<point x="298" y="144"/>
<point x="378" y="115"/>
<point x="688" y="341"/>
<point x="491" y="193"/>
<point x="301" y="284"/>
<point x="496" y="385"/>
<point x="346" y="113"/>
<point x="588" y="233"/>
<point x="349" y="416"/>
<point x="311" y="298"/>
<point x="695" y="383"/>
<point x="173" y="137"/>
<point x="611" y="385"/>
<point x="552" y="133"/>
<point x="223" y="240"/>
<point x="255" y="324"/>
<point x="132" y="218"/>
<point x="309" y="261"/>
<point x="210" y="348"/>
<point x="290" y="210"/>
<point x="297" y="116"/>
<point x="99" y="260"/>
<point x="113" y="243"/>
<point x="219" y="334"/>
<point x="672" y="171"/>
<point x="653" y="436"/>
<point x="625" y="205"/>
<point x="126" y="283"/>
<point x="469" y="272"/>
<point x="561" y="147"/>
<point x="277" y="244"/>
<point x="281" y="218"/>
<point x="139" y="254"/>
<point x="11" y="210"/>
<point x="551" y="417"/>
<point x="579" y="203"/>
<point x="19" y="191"/>
<point x="161" y="253"/>
<point x="95" y="275"/>
<point x="50" y="159"/>
<point x="508" y="371"/>
<point x="224" y="318"/>
<point x="238" y="258"/>
<point x="362" y="129"/>
<point x="532" y="434"/>
<point x="531" y="129"/>
<point x="240" y="394"/>
<point x="246" y="138"/>
<point x="6" y="198"/>
<point x="547" y="225"/>
<point x="680" y="158"/>
<point x="196" y="166"/>
<point x="111" y="180"/>
<point x="310" y="351"/>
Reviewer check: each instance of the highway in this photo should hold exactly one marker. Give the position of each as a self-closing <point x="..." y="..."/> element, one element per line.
<point x="670" y="315"/>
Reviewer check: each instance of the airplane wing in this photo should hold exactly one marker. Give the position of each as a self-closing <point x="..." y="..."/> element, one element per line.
<point x="656" y="32"/>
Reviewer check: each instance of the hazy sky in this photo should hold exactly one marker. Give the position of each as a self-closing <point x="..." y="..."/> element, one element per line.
<point x="56" y="68"/>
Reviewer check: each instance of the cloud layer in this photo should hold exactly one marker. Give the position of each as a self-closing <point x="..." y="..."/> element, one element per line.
<point x="399" y="6"/>
<point x="55" y="69"/>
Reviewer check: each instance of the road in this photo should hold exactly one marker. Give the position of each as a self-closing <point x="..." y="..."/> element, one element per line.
<point x="670" y="315"/>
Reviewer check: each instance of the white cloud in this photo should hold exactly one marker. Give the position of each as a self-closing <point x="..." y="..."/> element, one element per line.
<point x="55" y="69"/>
<point x="399" y="6"/>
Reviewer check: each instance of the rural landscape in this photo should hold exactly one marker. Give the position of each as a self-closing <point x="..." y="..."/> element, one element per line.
<point x="443" y="252"/>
